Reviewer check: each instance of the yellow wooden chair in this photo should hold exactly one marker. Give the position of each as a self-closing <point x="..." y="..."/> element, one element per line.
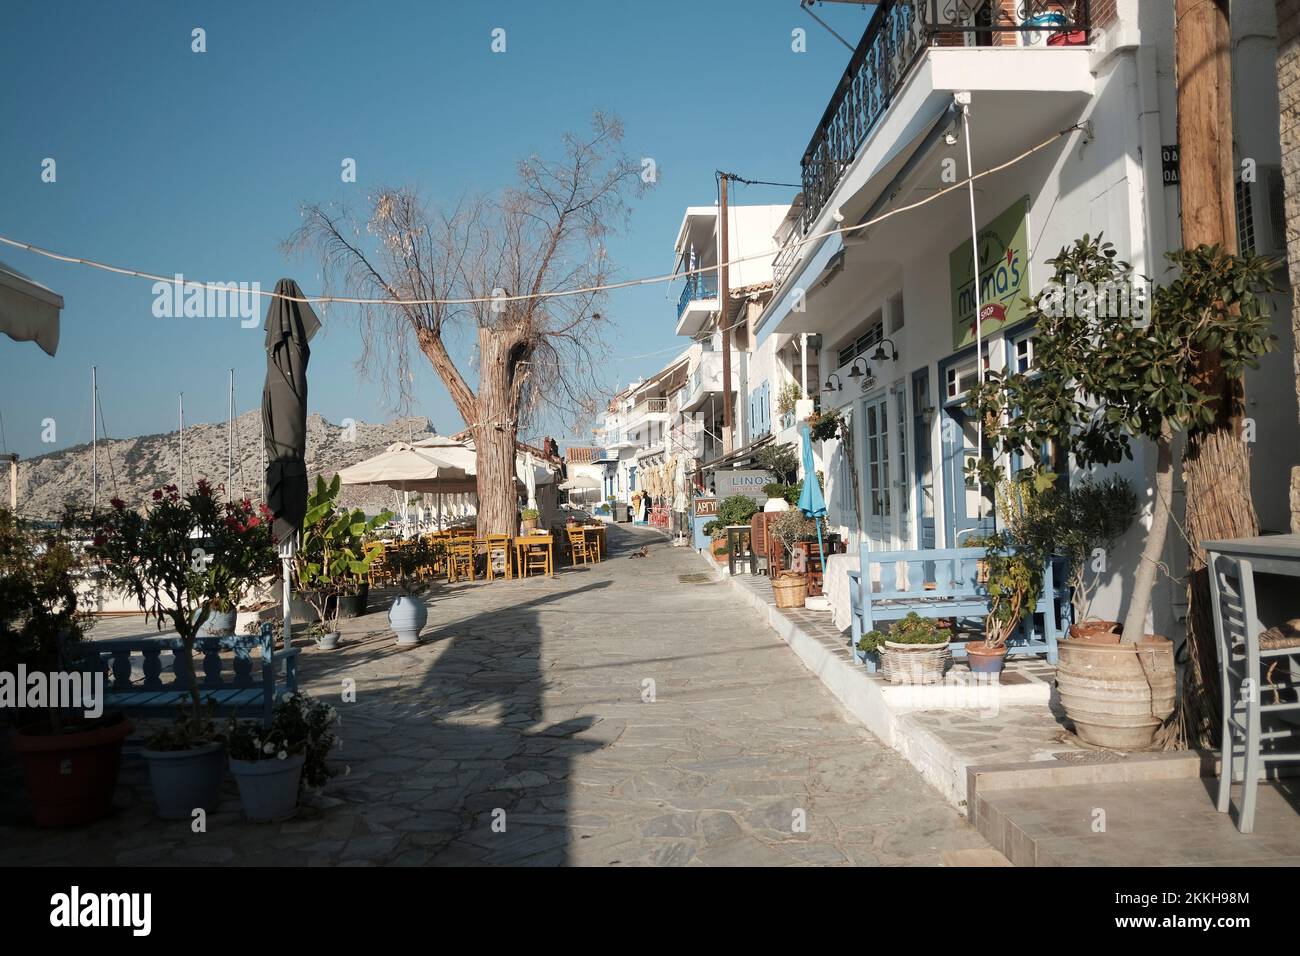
<point x="580" y="548"/>
<point x="498" y="553"/>
<point x="460" y="559"/>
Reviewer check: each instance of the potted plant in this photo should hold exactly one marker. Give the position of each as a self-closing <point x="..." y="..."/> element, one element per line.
<point x="273" y="765"/>
<point x="1013" y="579"/>
<point x="1090" y="519"/>
<point x="1103" y="380"/>
<point x="70" y="761"/>
<point x="790" y="528"/>
<point x="718" y="546"/>
<point x="184" y="556"/>
<point x="913" y="651"/>
<point x="408" y="613"/>
<point x="332" y="555"/>
<point x="529" y="516"/>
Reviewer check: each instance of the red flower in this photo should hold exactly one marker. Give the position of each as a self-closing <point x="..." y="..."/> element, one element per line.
<point x="234" y="524"/>
<point x="157" y="495"/>
<point x="253" y="522"/>
<point x="117" y="503"/>
<point x="100" y="541"/>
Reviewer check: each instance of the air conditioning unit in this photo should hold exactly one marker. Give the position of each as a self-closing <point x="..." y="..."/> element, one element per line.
<point x="1261" y="213"/>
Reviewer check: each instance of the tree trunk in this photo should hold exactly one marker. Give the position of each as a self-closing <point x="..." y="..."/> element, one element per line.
<point x="1216" y="462"/>
<point x="1144" y="581"/>
<point x="1288" y="62"/>
<point x="495" y="431"/>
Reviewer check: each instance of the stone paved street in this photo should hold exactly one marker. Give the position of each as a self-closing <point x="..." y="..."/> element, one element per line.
<point x="531" y="697"/>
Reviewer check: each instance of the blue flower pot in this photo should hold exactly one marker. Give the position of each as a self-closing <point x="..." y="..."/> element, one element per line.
<point x="219" y="623"/>
<point x="186" y="780"/>
<point x="407" y="618"/>
<point x="268" y="788"/>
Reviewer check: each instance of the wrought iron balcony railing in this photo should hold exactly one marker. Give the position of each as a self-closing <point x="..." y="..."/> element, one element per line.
<point x="698" y="286"/>
<point x="898" y="33"/>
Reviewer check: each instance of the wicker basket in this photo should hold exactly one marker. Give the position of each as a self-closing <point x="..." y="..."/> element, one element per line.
<point x="914" y="663"/>
<point x="790" y="590"/>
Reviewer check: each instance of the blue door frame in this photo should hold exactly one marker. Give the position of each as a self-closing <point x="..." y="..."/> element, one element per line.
<point x="922" y="459"/>
<point x="953" y="421"/>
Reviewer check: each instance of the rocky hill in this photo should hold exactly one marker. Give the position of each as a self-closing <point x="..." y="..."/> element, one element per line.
<point x="131" y="468"/>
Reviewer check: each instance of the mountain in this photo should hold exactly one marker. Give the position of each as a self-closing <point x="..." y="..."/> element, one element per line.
<point x="131" y="468"/>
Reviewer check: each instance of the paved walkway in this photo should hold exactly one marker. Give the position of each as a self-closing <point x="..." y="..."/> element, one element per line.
<point x="625" y="713"/>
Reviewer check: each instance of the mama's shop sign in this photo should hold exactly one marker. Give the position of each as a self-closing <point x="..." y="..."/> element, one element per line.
<point x="728" y="482"/>
<point x="1004" y="276"/>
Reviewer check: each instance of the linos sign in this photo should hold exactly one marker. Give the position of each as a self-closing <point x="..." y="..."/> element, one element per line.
<point x="1004" y="276"/>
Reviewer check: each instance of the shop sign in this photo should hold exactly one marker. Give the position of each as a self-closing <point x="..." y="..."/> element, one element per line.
<point x="706" y="507"/>
<point x="750" y="483"/>
<point x="1004" y="276"/>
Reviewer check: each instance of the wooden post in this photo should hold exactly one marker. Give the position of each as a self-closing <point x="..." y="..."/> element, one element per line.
<point x="724" y="294"/>
<point x="1216" y="462"/>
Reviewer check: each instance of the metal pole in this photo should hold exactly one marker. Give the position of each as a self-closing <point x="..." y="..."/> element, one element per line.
<point x="262" y="435"/>
<point x="724" y="293"/>
<point x="230" y="437"/>
<point x="94" y="441"/>
<point x="963" y="99"/>
<point x="180" y="400"/>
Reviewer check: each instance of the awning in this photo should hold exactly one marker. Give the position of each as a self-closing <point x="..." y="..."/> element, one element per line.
<point x="29" y="312"/>
<point x="738" y="456"/>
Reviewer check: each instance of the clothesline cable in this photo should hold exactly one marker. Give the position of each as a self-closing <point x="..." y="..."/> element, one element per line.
<point x="553" y="294"/>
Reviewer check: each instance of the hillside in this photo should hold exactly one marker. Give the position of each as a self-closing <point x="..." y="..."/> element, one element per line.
<point x="131" y="468"/>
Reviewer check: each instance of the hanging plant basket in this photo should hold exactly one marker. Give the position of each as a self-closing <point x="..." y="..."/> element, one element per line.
<point x="790" y="589"/>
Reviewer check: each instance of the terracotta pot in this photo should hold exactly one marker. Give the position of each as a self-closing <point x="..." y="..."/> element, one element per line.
<point x="1097" y="632"/>
<point x="984" y="659"/>
<point x="719" y="556"/>
<point x="71" y="777"/>
<point x="1117" y="695"/>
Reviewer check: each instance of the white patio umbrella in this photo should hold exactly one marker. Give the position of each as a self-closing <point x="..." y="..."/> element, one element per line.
<point x="583" y="483"/>
<point x="29" y="312"/>
<point x="530" y="480"/>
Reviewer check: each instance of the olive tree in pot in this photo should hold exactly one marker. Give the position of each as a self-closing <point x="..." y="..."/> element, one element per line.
<point x="181" y="558"/>
<point x="332" y="556"/>
<point x="70" y="750"/>
<point x="790" y="528"/>
<point x="1104" y="378"/>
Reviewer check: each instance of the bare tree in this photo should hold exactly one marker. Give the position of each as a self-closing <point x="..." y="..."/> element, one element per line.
<point x="500" y="262"/>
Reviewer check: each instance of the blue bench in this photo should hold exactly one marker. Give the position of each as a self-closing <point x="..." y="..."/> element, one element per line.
<point x="941" y="583"/>
<point x="148" y="695"/>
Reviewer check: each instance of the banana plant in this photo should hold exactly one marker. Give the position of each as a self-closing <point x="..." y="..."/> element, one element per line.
<point x="332" y="557"/>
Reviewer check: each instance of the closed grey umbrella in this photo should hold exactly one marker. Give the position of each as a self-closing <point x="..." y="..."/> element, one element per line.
<point x="289" y="327"/>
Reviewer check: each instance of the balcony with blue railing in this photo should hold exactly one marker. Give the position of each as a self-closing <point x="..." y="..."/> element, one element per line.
<point x="699" y="298"/>
<point x="897" y="36"/>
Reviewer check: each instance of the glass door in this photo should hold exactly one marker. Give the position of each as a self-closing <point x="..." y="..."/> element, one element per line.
<point x="876" y="486"/>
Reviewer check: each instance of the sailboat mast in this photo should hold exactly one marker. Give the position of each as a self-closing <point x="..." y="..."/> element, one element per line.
<point x="94" y="441"/>
<point x="230" y="438"/>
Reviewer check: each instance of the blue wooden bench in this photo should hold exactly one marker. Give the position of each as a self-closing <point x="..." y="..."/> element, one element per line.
<point x="940" y="583"/>
<point x="134" y="684"/>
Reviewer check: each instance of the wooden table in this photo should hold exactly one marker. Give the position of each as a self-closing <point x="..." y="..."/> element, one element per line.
<point x="596" y="532"/>
<point x="524" y="542"/>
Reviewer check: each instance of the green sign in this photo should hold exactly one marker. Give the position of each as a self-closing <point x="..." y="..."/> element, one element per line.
<point x="1004" y="276"/>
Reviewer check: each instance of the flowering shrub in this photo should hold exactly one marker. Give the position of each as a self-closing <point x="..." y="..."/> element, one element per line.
<point x="300" y="725"/>
<point x="183" y="557"/>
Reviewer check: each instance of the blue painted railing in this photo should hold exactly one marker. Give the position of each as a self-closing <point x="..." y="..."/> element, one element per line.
<point x="697" y="287"/>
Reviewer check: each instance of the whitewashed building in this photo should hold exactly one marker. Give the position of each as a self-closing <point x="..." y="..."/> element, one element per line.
<point x="892" y="304"/>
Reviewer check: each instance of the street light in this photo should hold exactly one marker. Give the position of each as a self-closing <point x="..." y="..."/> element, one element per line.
<point x="881" y="356"/>
<point x="837" y="387"/>
<point x="855" y="372"/>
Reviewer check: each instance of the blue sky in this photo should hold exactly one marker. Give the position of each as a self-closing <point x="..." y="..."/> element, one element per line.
<point x="170" y="161"/>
